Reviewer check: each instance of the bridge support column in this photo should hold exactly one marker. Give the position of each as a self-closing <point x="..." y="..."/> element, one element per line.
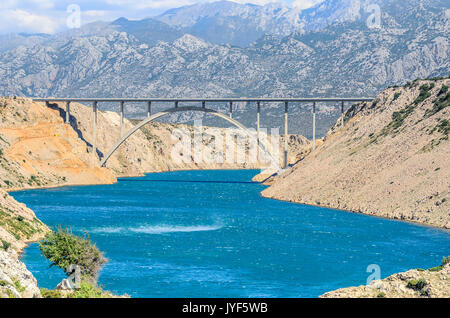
<point x="203" y="104"/>
<point x="94" y="130"/>
<point x="121" y="118"/>
<point x="314" y="126"/>
<point x="176" y="104"/>
<point x="342" y="114"/>
<point x="149" y="109"/>
<point x="231" y="110"/>
<point x="286" y="136"/>
<point x="258" y="126"/>
<point x="67" y="112"/>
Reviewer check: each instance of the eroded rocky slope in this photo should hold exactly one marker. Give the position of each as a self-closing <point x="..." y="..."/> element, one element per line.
<point x="390" y="159"/>
<point x="432" y="283"/>
<point x="18" y="226"/>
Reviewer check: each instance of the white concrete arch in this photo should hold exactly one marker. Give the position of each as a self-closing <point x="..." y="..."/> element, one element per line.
<point x="274" y="161"/>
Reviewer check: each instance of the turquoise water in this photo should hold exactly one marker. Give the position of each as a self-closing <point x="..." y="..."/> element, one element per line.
<point x="211" y="234"/>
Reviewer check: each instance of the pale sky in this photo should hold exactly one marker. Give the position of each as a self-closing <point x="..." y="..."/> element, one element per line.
<point x="50" y="16"/>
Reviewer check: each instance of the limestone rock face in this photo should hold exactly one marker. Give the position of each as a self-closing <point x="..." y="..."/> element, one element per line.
<point x="18" y="226"/>
<point x="15" y="280"/>
<point x="402" y="285"/>
<point x="390" y="159"/>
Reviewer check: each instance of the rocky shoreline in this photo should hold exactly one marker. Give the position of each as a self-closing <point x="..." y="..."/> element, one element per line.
<point x="416" y="283"/>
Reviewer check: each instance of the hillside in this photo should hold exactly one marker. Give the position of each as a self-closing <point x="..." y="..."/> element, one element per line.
<point x="389" y="160"/>
<point x="415" y="283"/>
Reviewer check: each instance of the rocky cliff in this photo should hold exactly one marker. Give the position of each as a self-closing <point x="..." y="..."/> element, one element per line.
<point x="390" y="159"/>
<point x="432" y="283"/>
<point x="18" y="225"/>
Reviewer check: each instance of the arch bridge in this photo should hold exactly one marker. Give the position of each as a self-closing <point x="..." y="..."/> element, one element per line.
<point x="201" y="108"/>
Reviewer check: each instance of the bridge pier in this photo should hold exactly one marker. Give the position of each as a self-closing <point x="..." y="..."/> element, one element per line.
<point x="149" y="109"/>
<point x="231" y="110"/>
<point x="286" y="136"/>
<point x="67" y="112"/>
<point x="258" y="126"/>
<point x="94" y="129"/>
<point x="121" y="118"/>
<point x="314" y="125"/>
<point x="342" y="114"/>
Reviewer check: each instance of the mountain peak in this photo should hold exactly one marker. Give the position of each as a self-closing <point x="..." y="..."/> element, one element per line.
<point x="190" y="43"/>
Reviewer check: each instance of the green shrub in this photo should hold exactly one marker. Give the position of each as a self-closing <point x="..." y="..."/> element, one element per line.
<point x="381" y="295"/>
<point x="396" y="96"/>
<point x="424" y="93"/>
<point x="88" y="290"/>
<point x="445" y="260"/>
<point x="63" y="248"/>
<point x="48" y="293"/>
<point x="18" y="286"/>
<point x="438" y="105"/>
<point x="443" y="90"/>
<point x="5" y="245"/>
<point x="417" y="284"/>
<point x="436" y="269"/>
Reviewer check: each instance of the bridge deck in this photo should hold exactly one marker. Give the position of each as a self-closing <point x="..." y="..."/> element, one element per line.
<point x="208" y="100"/>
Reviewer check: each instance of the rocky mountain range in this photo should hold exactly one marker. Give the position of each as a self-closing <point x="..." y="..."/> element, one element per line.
<point x="225" y="49"/>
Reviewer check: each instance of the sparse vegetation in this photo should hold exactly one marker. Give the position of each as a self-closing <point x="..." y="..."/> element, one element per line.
<point x="86" y="290"/>
<point x="396" y="96"/>
<point x="5" y="245"/>
<point x="424" y="93"/>
<point x="49" y="293"/>
<point x="18" y="226"/>
<point x="417" y="284"/>
<point x="63" y="248"/>
<point x="398" y="118"/>
<point x="445" y="260"/>
<point x="439" y="104"/>
<point x="18" y="286"/>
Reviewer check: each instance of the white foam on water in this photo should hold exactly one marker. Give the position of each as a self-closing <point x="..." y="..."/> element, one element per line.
<point x="157" y="229"/>
<point x="163" y="229"/>
<point x="108" y="230"/>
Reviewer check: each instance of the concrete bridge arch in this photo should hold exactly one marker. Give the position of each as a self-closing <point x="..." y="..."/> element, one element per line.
<point x="152" y="118"/>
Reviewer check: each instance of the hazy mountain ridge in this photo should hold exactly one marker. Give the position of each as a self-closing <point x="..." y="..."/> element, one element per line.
<point x="344" y="59"/>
